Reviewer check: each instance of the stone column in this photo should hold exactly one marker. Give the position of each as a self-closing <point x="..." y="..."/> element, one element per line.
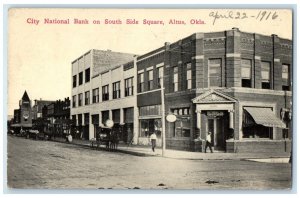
<point x="231" y="119"/>
<point x="199" y="122"/>
<point x="110" y="114"/>
<point x="135" y="125"/>
<point x="91" y="128"/>
<point x="122" y="116"/>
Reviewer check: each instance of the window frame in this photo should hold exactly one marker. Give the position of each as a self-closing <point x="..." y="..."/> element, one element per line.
<point x="105" y="92"/>
<point x="87" y="75"/>
<point x="95" y="93"/>
<point x="175" y="83"/>
<point x="141" y="81"/>
<point x="87" y="98"/>
<point x="129" y="87"/>
<point x="80" y="81"/>
<point x="117" y="90"/>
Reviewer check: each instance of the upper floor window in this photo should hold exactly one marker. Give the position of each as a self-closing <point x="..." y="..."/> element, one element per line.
<point x="116" y="90"/>
<point x="246" y="72"/>
<point x="189" y="76"/>
<point x="80" y="78"/>
<point x="160" y="76"/>
<point x="215" y="71"/>
<point x="150" y="80"/>
<point x="87" y="75"/>
<point x="175" y="79"/>
<point x="285" y="77"/>
<point x="105" y="93"/>
<point x="129" y="86"/>
<point x="74" y="81"/>
<point x="80" y="99"/>
<point x="74" y="101"/>
<point x="87" y="98"/>
<point x="265" y="75"/>
<point x="140" y="82"/>
<point x="96" y="95"/>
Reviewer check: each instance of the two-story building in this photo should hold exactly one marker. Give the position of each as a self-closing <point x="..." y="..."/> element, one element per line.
<point x="234" y="84"/>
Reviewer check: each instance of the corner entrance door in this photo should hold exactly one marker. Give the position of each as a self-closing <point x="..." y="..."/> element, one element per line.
<point x="216" y="127"/>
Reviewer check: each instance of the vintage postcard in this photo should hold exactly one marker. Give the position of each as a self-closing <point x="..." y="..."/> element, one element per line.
<point x="152" y="99"/>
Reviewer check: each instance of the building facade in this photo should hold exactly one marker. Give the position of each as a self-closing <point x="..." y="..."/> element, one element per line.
<point x="104" y="89"/>
<point x="23" y="115"/>
<point x="37" y="108"/>
<point x="234" y="84"/>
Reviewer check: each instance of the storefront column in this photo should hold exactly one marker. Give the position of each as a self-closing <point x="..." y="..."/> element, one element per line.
<point x="231" y="120"/>
<point x="91" y="128"/>
<point x="122" y="116"/>
<point x="135" y="125"/>
<point x="199" y="122"/>
<point x="100" y="119"/>
<point x="110" y="114"/>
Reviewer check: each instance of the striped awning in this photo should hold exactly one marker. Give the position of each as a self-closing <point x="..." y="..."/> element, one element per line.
<point x="265" y="117"/>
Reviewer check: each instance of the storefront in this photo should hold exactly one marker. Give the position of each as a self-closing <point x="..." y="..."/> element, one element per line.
<point x="128" y="123"/>
<point x="215" y="114"/>
<point x="149" y="122"/>
<point x="86" y="126"/>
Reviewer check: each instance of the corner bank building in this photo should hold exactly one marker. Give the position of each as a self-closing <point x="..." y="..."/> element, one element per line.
<point x="234" y="84"/>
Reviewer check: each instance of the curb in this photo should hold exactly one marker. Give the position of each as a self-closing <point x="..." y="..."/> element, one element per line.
<point x="141" y="154"/>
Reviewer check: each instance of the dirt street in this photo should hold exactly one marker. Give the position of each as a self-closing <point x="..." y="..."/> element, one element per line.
<point x="51" y="165"/>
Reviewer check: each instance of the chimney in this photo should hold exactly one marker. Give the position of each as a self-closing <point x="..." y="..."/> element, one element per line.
<point x="235" y="29"/>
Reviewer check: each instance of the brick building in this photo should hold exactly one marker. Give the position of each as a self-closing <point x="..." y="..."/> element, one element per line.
<point x="102" y="89"/>
<point x="37" y="109"/>
<point x="235" y="84"/>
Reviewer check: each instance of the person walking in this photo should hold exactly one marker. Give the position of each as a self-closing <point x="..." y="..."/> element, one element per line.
<point x="208" y="142"/>
<point x="153" y="141"/>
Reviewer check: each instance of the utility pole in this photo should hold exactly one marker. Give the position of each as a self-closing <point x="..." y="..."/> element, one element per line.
<point x="163" y="123"/>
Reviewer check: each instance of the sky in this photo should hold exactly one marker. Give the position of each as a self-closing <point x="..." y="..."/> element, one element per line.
<point x="40" y="55"/>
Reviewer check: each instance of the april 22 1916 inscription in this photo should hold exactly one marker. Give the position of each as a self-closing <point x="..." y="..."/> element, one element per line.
<point x="237" y="15"/>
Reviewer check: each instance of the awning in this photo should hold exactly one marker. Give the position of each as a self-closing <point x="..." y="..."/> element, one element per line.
<point x="265" y="117"/>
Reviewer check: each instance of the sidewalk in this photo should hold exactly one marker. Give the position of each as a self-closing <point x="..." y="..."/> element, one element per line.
<point x="175" y="154"/>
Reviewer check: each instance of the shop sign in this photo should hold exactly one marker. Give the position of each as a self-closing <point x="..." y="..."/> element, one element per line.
<point x="109" y="123"/>
<point x="215" y="113"/>
<point x="171" y="118"/>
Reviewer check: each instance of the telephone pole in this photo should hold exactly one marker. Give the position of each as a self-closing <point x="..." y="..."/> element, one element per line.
<point x="163" y="123"/>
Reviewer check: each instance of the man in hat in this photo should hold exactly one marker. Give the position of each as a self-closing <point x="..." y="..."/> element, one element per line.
<point x="208" y="142"/>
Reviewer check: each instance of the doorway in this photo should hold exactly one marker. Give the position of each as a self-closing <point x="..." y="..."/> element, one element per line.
<point x="218" y="126"/>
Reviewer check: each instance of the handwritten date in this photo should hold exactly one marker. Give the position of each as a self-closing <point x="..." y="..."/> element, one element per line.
<point x="236" y="15"/>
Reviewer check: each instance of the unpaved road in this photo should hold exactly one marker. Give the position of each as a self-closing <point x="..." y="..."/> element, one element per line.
<point x="51" y="165"/>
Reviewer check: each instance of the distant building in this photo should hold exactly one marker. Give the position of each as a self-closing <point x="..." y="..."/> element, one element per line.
<point x="37" y="109"/>
<point x="23" y="115"/>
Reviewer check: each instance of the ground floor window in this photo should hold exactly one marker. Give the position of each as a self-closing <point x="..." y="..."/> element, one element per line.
<point x="257" y="131"/>
<point x="182" y="127"/>
<point x="148" y="126"/>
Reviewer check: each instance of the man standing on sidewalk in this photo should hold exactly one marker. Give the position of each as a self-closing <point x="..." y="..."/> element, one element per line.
<point x="208" y="142"/>
<point x="153" y="141"/>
